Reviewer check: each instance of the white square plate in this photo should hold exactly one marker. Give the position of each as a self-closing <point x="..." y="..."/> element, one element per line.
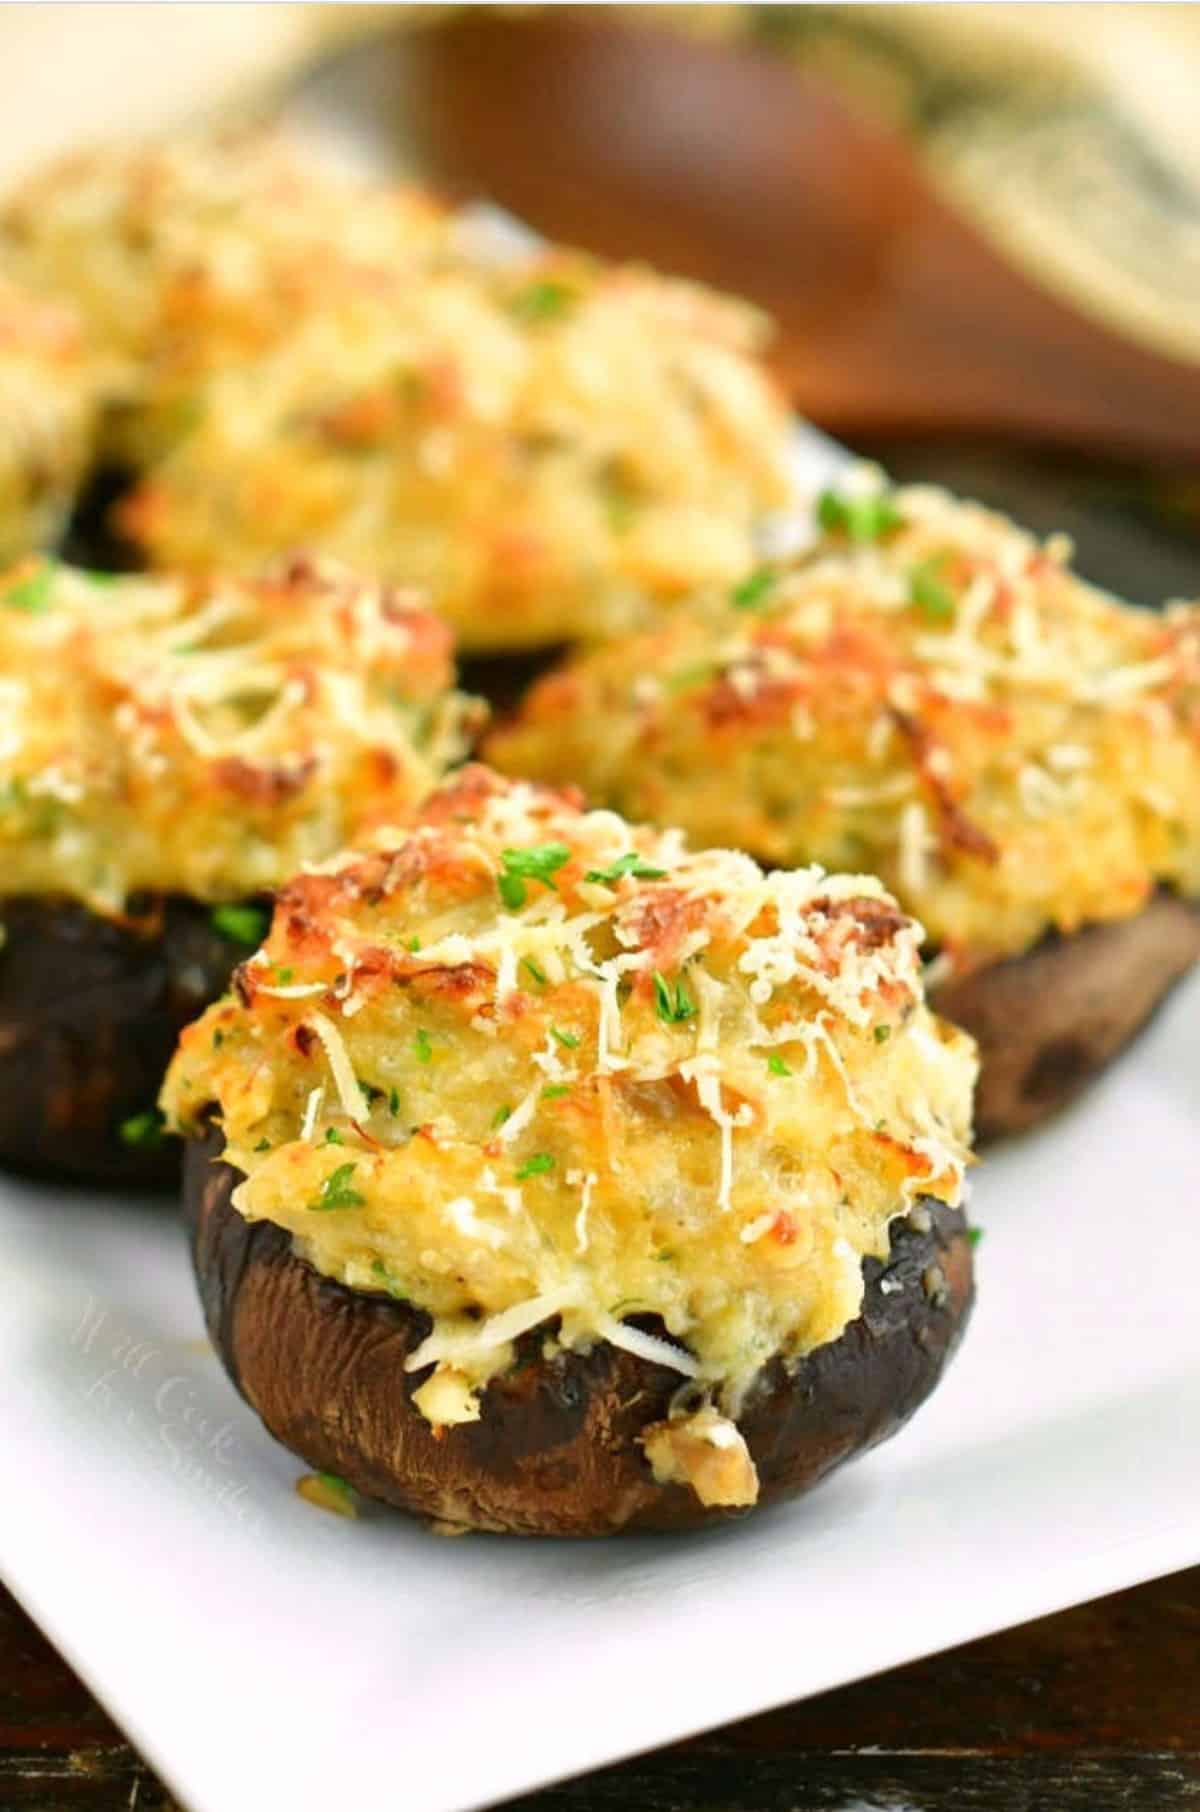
<point x="262" y="1653"/>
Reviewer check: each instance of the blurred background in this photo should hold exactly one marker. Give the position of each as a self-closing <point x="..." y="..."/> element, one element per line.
<point x="977" y="227"/>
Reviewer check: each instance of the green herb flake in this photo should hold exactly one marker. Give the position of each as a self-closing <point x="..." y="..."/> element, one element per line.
<point x="536" y="1166"/>
<point x="144" y="1131"/>
<point x="263" y="1145"/>
<point x="32" y="595"/>
<point x="535" y="970"/>
<point x="423" y="1046"/>
<point x="284" y="976"/>
<point x="218" y="1039"/>
<point x="333" y="1136"/>
<point x="336" y="1191"/>
<point x="392" y="1284"/>
<point x="673" y="1006"/>
<point x="777" y="1066"/>
<point x="501" y="1115"/>
<point x="414" y="944"/>
<point x="698" y="673"/>
<point x="513" y="891"/>
<point x="881" y="1034"/>
<point x="568" y="1040"/>
<point x="545" y="300"/>
<point x="241" y="924"/>
<point x="862" y="519"/>
<point x="974" y="1234"/>
<point x="540" y="863"/>
<point x="555" y="1091"/>
<point x="629" y="864"/>
<point x="393" y="1101"/>
<point x="337" y="1486"/>
<point x="928" y="594"/>
<point x="754" y="590"/>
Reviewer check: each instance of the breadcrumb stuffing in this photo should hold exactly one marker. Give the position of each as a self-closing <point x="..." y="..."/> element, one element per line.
<point x="439" y="1164"/>
<point x="926" y="693"/>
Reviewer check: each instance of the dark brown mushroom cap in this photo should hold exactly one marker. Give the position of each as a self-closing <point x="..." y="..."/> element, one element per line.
<point x="556" y="1449"/>
<point x="90" y="1011"/>
<point x="1048" y="1021"/>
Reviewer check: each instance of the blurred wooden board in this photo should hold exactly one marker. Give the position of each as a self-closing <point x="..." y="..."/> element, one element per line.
<point x="728" y="163"/>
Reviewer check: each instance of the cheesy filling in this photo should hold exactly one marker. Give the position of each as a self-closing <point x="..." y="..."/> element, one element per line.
<point x="533" y="1069"/>
<point x="207" y="739"/>
<point x="926" y="693"/>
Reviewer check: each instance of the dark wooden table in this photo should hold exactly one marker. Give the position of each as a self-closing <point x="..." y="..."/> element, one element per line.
<point x="1095" y="1710"/>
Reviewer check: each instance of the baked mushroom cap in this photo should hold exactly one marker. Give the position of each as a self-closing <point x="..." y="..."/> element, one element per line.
<point x="90" y="1011"/>
<point x="930" y="694"/>
<point x="564" y="1440"/>
<point x="169" y="752"/>
<point x="1049" y="1021"/>
<point x="542" y="1075"/>
<point x="48" y="418"/>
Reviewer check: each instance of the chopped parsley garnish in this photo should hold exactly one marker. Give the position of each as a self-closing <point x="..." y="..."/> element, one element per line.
<point x="673" y="1005"/>
<point x="336" y="1191"/>
<point x="555" y="1091"/>
<point x="620" y="506"/>
<point x="414" y="944"/>
<point x="974" y="1234"/>
<point x="218" y="1039"/>
<point x="541" y="863"/>
<point x="545" y="300"/>
<point x="143" y="1131"/>
<point x="333" y="1136"/>
<point x="32" y="595"/>
<point x="536" y="1166"/>
<point x="754" y="589"/>
<point x="535" y="970"/>
<point x="862" y="519"/>
<point x="103" y="580"/>
<point x="241" y="924"/>
<point x="697" y="674"/>
<point x="569" y="1040"/>
<point x="928" y="594"/>
<point x="501" y="1115"/>
<point x="423" y="1046"/>
<point x="777" y="1066"/>
<point x="392" y="1284"/>
<point x="393" y="1101"/>
<point x="337" y="1487"/>
<point x="263" y="1145"/>
<point x="630" y="864"/>
<point x="881" y="1034"/>
<point x="284" y="976"/>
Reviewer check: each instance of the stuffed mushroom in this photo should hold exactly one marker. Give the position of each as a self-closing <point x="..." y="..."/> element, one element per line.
<point x="169" y="753"/>
<point x="184" y="254"/>
<point x="551" y="447"/>
<point x="929" y="694"/>
<point x="549" y="1177"/>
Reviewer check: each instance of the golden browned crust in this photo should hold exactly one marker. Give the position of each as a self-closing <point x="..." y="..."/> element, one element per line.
<point x="1048" y="1021"/>
<point x="556" y="1450"/>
